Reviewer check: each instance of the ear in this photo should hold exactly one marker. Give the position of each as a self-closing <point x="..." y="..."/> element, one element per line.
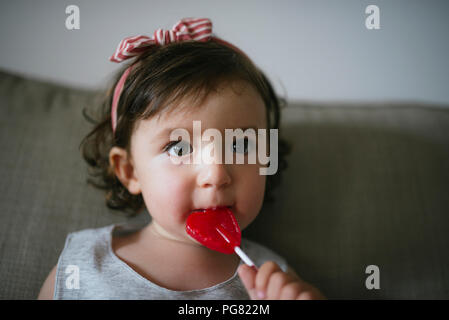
<point x="121" y="163"/>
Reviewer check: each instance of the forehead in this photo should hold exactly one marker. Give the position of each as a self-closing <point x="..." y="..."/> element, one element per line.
<point x="233" y="104"/>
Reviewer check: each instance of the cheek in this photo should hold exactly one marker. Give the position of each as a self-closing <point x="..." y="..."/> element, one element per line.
<point x="249" y="194"/>
<point x="165" y="193"/>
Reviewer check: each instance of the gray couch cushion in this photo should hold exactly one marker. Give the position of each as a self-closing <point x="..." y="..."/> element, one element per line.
<point x="366" y="184"/>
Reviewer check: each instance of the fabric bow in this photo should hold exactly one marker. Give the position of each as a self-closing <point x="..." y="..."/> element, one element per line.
<point x="197" y="29"/>
<point x="185" y="29"/>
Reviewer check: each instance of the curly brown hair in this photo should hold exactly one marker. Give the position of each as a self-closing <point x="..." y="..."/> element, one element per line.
<point x="160" y="77"/>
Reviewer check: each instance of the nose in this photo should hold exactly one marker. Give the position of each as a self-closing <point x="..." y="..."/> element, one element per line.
<point x="213" y="172"/>
<point x="214" y="175"/>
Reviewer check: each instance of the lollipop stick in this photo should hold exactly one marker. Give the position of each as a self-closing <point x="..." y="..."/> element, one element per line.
<point x="244" y="257"/>
<point x="237" y="249"/>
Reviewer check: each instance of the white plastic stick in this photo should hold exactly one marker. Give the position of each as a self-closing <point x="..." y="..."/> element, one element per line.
<point x="237" y="250"/>
<point x="244" y="257"/>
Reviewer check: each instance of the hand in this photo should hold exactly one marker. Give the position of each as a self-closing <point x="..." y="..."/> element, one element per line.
<point x="271" y="283"/>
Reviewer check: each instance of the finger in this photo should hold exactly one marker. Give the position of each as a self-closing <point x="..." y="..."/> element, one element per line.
<point x="291" y="291"/>
<point x="263" y="276"/>
<point x="311" y="294"/>
<point x="306" y="295"/>
<point x="277" y="281"/>
<point x="248" y="277"/>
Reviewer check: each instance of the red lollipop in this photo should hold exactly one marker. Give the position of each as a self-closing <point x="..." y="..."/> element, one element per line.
<point x="217" y="229"/>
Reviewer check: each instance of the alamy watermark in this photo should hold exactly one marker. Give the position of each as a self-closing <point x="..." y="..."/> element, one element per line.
<point x="373" y="280"/>
<point x="72" y="21"/>
<point x="73" y="279"/>
<point x="372" y="22"/>
<point x="255" y="140"/>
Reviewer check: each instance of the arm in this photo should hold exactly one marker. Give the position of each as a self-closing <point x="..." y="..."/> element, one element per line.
<point x="48" y="287"/>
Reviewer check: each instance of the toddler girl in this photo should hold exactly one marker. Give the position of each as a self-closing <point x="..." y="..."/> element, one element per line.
<point x="177" y="77"/>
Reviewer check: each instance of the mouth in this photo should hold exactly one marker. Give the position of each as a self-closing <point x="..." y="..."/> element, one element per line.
<point x="212" y="208"/>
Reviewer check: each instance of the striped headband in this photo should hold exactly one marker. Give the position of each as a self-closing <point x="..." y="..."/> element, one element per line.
<point x="185" y="30"/>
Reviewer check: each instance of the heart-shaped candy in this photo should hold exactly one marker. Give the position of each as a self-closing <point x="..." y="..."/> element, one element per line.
<point x="215" y="228"/>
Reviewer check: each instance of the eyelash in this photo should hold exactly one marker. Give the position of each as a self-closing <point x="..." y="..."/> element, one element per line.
<point x="173" y="143"/>
<point x="170" y="144"/>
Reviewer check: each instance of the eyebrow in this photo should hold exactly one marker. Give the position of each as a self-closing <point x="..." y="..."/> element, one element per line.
<point x="166" y="132"/>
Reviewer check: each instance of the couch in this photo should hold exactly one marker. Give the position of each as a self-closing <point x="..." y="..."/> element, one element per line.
<point x="367" y="185"/>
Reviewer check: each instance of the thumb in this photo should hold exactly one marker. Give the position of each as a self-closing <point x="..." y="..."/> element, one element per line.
<point x="248" y="277"/>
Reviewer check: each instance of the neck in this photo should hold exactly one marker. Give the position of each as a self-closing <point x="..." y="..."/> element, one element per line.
<point x="176" y="262"/>
<point x="161" y="233"/>
<point x="183" y="248"/>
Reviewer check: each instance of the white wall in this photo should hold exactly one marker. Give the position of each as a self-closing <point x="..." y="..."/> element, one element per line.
<point x="311" y="49"/>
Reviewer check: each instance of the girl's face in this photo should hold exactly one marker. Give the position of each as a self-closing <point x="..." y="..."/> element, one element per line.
<point x="171" y="191"/>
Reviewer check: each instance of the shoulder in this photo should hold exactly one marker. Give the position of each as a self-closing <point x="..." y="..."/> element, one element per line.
<point x="85" y="251"/>
<point x="260" y="254"/>
<point x="92" y="234"/>
<point x="87" y="239"/>
<point x="84" y="243"/>
<point x="76" y="244"/>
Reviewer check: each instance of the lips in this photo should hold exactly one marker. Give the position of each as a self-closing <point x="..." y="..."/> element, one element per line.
<point x="211" y="208"/>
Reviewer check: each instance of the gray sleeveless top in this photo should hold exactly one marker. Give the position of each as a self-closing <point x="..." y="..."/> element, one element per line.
<point x="88" y="268"/>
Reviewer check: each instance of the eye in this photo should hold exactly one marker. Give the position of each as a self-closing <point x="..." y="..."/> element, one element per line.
<point x="244" y="146"/>
<point x="178" y="148"/>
